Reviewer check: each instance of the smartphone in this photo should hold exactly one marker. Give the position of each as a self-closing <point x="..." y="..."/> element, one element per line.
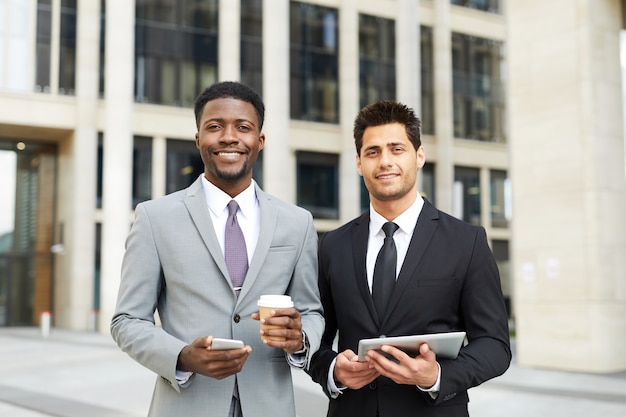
<point x="225" y="344"/>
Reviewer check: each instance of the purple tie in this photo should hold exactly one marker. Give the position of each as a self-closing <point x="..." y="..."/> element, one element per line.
<point x="235" y="251"/>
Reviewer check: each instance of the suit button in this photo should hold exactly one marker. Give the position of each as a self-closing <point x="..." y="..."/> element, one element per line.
<point x="372" y="385"/>
<point x="237" y="318"/>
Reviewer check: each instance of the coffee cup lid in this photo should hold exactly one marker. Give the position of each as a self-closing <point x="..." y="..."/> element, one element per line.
<point x="271" y="300"/>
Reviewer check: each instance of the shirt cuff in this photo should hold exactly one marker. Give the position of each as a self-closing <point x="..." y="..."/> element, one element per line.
<point x="183" y="377"/>
<point x="298" y="359"/>
<point x="434" y="390"/>
<point x="331" y="386"/>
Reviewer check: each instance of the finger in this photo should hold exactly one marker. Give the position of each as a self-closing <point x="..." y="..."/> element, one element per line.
<point x="255" y="316"/>
<point x="398" y="354"/>
<point x="288" y="312"/>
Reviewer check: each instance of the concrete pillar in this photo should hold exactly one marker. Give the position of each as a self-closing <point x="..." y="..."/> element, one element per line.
<point x="118" y="148"/>
<point x="349" y="179"/>
<point x="444" y="114"/>
<point x="278" y="158"/>
<point x="229" y="41"/>
<point x="17" y="40"/>
<point x="75" y="282"/>
<point x="407" y="54"/>
<point x="569" y="190"/>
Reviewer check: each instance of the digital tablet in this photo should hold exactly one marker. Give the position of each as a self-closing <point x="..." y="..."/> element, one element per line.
<point x="445" y="345"/>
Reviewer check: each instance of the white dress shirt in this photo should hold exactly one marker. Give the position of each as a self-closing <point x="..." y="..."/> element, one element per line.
<point x="248" y="215"/>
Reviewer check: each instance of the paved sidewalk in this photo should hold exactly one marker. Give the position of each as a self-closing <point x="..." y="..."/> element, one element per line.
<point x="75" y="374"/>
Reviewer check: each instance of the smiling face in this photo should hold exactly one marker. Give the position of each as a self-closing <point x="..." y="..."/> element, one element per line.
<point x="389" y="163"/>
<point x="229" y="141"/>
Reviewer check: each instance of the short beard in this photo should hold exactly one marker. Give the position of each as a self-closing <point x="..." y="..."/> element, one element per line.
<point x="233" y="176"/>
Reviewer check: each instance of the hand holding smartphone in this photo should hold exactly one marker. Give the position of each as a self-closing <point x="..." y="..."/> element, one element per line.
<point x="226" y="344"/>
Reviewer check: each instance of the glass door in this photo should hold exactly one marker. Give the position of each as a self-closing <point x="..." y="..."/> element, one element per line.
<point x="27" y="180"/>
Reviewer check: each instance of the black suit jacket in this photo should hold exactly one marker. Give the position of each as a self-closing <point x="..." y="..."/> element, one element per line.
<point x="449" y="281"/>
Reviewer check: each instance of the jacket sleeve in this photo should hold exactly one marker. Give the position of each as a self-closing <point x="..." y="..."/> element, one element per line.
<point x="487" y="353"/>
<point x="321" y="360"/>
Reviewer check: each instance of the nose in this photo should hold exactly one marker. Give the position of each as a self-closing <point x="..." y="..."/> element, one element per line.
<point x="385" y="158"/>
<point x="229" y="134"/>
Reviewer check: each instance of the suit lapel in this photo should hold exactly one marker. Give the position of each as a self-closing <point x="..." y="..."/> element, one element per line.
<point x="196" y="205"/>
<point x="269" y="217"/>
<point x="423" y="233"/>
<point x="359" y="254"/>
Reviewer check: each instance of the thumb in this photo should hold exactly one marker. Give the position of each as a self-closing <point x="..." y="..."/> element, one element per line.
<point x="425" y="351"/>
<point x="202" y="342"/>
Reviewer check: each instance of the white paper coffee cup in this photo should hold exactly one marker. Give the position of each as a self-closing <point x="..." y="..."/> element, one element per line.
<point x="266" y="304"/>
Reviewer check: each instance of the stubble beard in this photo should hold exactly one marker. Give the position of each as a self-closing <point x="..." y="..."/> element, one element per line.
<point x="231" y="176"/>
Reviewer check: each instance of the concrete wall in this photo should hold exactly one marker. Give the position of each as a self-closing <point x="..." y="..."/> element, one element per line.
<point x="569" y="190"/>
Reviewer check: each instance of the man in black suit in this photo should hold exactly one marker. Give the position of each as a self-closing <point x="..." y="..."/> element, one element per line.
<point x="446" y="280"/>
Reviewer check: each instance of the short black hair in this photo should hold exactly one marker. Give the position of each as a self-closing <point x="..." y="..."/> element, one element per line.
<point x="230" y="89"/>
<point x="387" y="112"/>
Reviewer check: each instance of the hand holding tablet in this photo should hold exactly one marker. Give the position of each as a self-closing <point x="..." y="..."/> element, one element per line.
<point x="445" y="345"/>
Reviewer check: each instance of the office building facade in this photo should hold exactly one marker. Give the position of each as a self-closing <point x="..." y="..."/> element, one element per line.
<point x="97" y="97"/>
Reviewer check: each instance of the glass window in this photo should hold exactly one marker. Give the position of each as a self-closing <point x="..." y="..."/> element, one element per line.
<point x="175" y="50"/>
<point x="67" y="58"/>
<point x="466" y="196"/>
<point x="492" y="6"/>
<point x="499" y="189"/>
<point x="183" y="166"/>
<point x="102" y="45"/>
<point x="314" y="63"/>
<point x="428" y="182"/>
<point x="318" y="184"/>
<point x="365" y="195"/>
<point x="44" y="40"/>
<point x="427" y="80"/>
<point x="97" y="272"/>
<point x="377" y="59"/>
<point x="252" y="44"/>
<point x="501" y="253"/>
<point x="142" y="169"/>
<point x="99" y="168"/>
<point x="478" y="88"/>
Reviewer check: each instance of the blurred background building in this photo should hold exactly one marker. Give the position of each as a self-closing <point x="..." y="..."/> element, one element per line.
<point x="520" y="100"/>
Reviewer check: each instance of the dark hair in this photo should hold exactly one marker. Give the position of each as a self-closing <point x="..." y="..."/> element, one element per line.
<point x="387" y="112"/>
<point x="230" y="89"/>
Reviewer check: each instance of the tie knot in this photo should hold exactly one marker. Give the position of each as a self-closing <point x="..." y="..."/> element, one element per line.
<point x="390" y="228"/>
<point x="232" y="208"/>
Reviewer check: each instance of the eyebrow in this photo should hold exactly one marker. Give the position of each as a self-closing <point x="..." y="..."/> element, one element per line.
<point x="388" y="145"/>
<point x="222" y="120"/>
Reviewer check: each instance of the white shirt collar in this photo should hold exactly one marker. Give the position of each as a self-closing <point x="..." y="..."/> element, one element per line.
<point x="217" y="200"/>
<point x="406" y="221"/>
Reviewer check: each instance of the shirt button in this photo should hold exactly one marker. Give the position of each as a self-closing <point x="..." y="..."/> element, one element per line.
<point x="372" y="385"/>
<point x="237" y="318"/>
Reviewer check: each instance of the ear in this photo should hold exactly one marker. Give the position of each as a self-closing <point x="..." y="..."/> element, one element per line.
<point x="197" y="140"/>
<point x="421" y="157"/>
<point x="358" y="164"/>
<point x="261" y="140"/>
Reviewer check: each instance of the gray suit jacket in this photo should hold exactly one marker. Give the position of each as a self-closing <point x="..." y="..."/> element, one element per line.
<point x="174" y="265"/>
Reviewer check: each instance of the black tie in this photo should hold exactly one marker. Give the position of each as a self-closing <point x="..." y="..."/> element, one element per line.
<point x="385" y="271"/>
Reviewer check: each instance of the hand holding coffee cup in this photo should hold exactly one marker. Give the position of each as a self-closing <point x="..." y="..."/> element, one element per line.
<point x="266" y="304"/>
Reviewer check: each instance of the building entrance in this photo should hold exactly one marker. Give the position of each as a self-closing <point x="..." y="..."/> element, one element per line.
<point x="27" y="187"/>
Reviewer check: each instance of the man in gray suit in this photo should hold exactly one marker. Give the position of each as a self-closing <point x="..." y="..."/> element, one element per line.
<point x="175" y="265"/>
